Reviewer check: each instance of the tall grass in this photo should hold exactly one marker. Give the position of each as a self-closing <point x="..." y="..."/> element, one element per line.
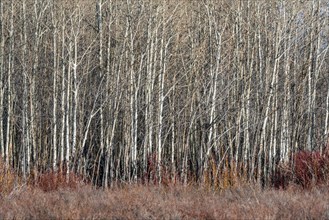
<point x="62" y="195"/>
<point x="157" y="202"/>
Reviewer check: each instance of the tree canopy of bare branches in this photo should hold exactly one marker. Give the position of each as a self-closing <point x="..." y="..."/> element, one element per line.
<point x="206" y="91"/>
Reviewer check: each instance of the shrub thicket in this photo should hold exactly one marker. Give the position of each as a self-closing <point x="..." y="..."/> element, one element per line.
<point x="306" y="169"/>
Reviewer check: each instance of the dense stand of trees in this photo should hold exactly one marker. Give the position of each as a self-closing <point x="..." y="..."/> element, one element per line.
<point x="204" y="91"/>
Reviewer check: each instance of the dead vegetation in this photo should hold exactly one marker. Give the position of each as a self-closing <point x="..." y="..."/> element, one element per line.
<point x="155" y="202"/>
<point x="64" y="195"/>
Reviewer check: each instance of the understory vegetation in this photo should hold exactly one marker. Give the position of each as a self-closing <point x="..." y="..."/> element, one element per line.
<point x="133" y="201"/>
<point x="299" y="191"/>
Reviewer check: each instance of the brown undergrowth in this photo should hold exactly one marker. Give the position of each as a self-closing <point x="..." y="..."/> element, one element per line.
<point x="52" y="181"/>
<point x="154" y="202"/>
<point x="8" y="179"/>
<point x="62" y="195"/>
<point x="46" y="181"/>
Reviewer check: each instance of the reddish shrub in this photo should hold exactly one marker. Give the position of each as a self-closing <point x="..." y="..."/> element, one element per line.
<point x="306" y="169"/>
<point x="51" y="181"/>
<point x="151" y="175"/>
<point x="310" y="168"/>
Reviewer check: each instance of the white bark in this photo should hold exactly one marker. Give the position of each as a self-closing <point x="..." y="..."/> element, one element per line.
<point x="63" y="96"/>
<point x="9" y="92"/>
<point x="54" y="165"/>
<point x="2" y="48"/>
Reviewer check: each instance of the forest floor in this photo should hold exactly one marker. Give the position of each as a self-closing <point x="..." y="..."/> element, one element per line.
<point x="154" y="202"/>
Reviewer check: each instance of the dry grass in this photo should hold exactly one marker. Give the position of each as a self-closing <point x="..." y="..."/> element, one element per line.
<point x="152" y="202"/>
<point x="58" y="195"/>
